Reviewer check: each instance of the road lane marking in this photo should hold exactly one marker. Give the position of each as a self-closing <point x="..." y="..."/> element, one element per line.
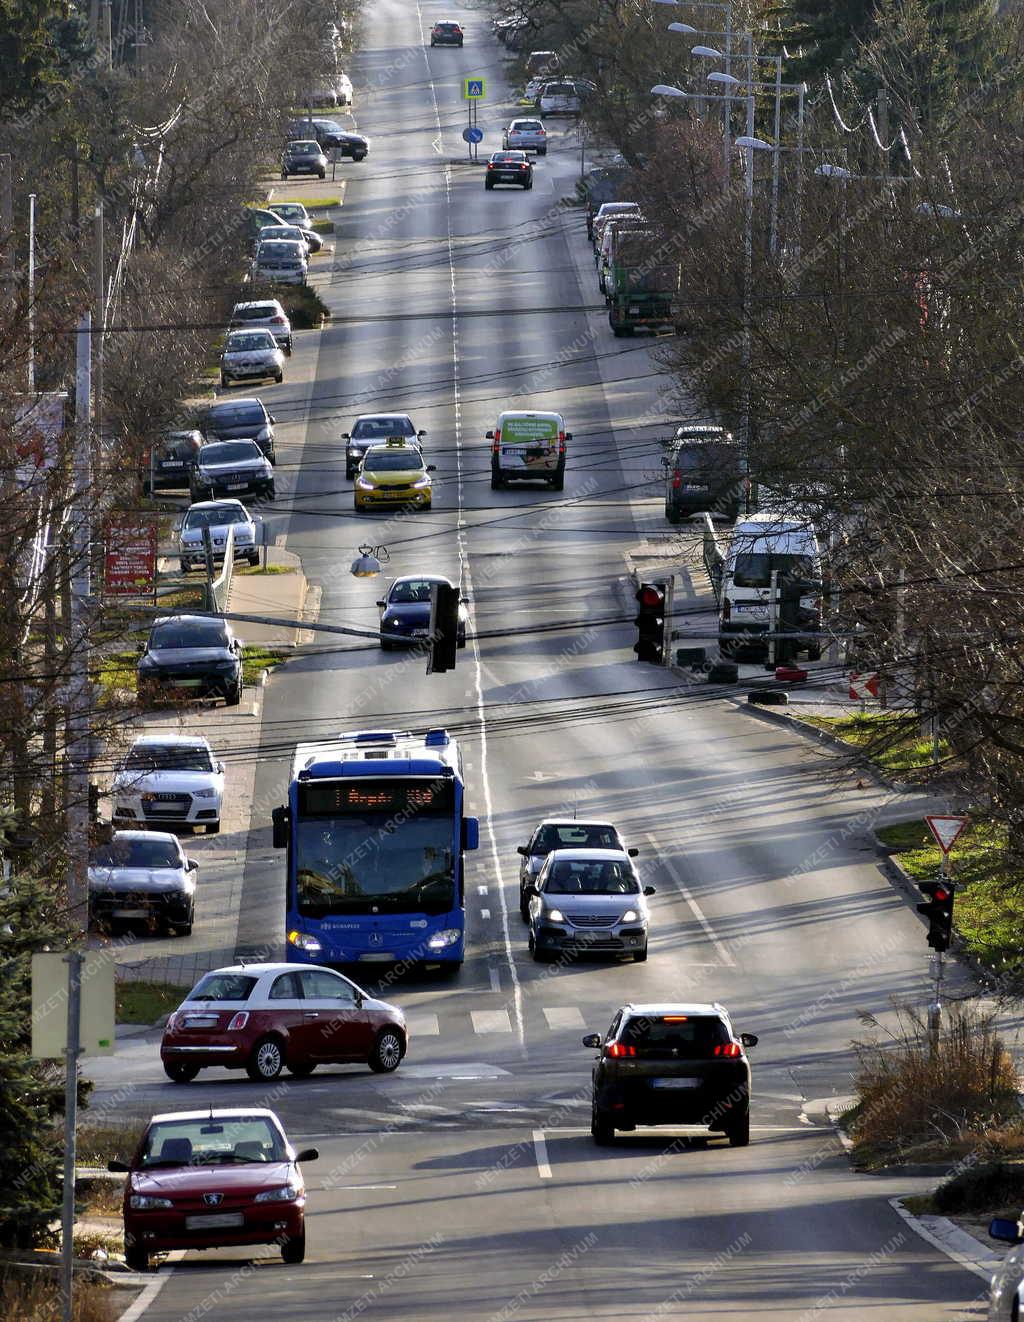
<point x="495" y="978"/>
<point x="423" y="1025"/>
<point x="564" y="1016"/>
<point x="485" y="913"/>
<point x="481" y="890"/>
<point x="723" y="950"/>
<point x="164" y="1274"/>
<point x="540" y="1148"/>
<point x="490" y="1021"/>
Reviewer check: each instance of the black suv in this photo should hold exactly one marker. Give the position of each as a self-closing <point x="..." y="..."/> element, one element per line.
<point x="704" y="470"/>
<point x="191" y="656"/>
<point x="241" y="419"/>
<point x="671" y="1065"/>
<point x="446" y="33"/>
<point x="172" y="461"/>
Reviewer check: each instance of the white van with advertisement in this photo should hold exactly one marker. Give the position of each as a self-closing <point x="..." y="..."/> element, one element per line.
<point x="762" y="544"/>
<point x="528" y="447"/>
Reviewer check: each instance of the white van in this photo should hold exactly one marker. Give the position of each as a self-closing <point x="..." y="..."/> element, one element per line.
<point x="528" y="446"/>
<point x="560" y="99"/>
<point x="762" y="543"/>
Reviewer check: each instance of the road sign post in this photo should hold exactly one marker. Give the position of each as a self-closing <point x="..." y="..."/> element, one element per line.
<point x="946" y="830"/>
<point x="474" y="90"/>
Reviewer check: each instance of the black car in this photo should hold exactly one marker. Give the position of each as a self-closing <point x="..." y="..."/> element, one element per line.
<point x="446" y="33"/>
<point x="143" y="875"/>
<point x="238" y="418"/>
<point x="191" y="656"/>
<point x="704" y="470"/>
<point x="667" y="1064"/>
<point x="371" y="428"/>
<point x="332" y="137"/>
<point x="509" y="167"/>
<point x="171" y="462"/>
<point x="405" y="611"/>
<point x="232" y="468"/>
<point x="303" y="157"/>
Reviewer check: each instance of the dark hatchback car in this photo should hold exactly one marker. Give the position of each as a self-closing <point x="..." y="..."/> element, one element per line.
<point x="704" y="470"/>
<point x="509" y="167"/>
<point x="405" y="611"/>
<point x="171" y="462"/>
<point x="190" y="656"/>
<point x="303" y="158"/>
<point x="332" y="137"/>
<point x="371" y="428"/>
<point x="446" y="33"/>
<point x="667" y="1064"/>
<point x="239" y="419"/>
<point x="143" y="875"/>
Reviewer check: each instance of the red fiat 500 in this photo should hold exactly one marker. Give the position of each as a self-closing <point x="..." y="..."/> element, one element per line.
<point x="265" y="1017"/>
<point x="209" y="1179"/>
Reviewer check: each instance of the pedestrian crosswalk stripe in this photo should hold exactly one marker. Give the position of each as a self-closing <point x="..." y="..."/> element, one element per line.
<point x="564" y="1016"/>
<point x="423" y="1025"/>
<point x="491" y="1021"/>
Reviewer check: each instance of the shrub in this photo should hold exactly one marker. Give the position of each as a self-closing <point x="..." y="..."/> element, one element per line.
<point x="302" y="304"/>
<point x="997" y="1184"/>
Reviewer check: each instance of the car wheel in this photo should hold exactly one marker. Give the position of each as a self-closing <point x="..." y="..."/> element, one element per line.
<point x="288" y="349"/>
<point x="185" y="565"/>
<point x="601" y="1128"/>
<point x="254" y="559"/>
<point x="387" y="1052"/>
<point x="213" y="828"/>
<point x="460" y="640"/>
<point x="180" y="1071"/>
<point x="524" y="911"/>
<point x="266" y="1060"/>
<point x="672" y="514"/>
<point x="284" y="174"/>
<point x="293" y="1248"/>
<point x="386" y="645"/>
<point x="542" y="151"/>
<point x="558" y="481"/>
<point x="814" y="654"/>
<point x="739" y="1131"/>
<point x="497" y="482"/>
<point x="488" y="184"/>
<point x="528" y="185"/>
<point x="182" y="929"/>
<point x="640" y="956"/>
<point x="224" y="383"/>
<point x="136" y="1259"/>
<point x="349" y="474"/>
<point x="279" y="377"/>
<point x="322" y="174"/>
<point x="233" y="696"/>
<point x="302" y="1071"/>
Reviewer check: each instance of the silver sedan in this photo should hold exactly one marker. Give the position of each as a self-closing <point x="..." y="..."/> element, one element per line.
<point x="588" y="900"/>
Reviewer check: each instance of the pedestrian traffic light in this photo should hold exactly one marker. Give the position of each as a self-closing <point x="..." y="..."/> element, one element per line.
<point x="444" y="627"/>
<point x="938" y="911"/>
<point x="650" y="623"/>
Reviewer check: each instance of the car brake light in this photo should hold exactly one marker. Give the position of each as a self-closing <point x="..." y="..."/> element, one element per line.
<point x="172" y="1019"/>
<point x="620" y="1049"/>
<point x="490" y="165"/>
<point x="277" y="321"/>
<point x="561" y="442"/>
<point x="675" y="1019"/>
<point x="730" y="1049"/>
<point x="677" y="480"/>
<point x="238" y="1021"/>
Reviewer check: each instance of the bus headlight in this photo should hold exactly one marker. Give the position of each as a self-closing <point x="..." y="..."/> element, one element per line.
<point x="303" y="941"/>
<point x="442" y="940"/>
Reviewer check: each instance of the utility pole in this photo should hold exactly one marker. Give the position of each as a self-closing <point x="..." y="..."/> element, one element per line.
<point x="79" y="634"/>
<point x="31" y="292"/>
<point x="6" y="226"/>
<point x="108" y="38"/>
<point x="99" y="318"/>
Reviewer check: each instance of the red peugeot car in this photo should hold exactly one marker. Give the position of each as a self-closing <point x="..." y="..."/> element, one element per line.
<point x="211" y="1179"/>
<point x="265" y="1017"/>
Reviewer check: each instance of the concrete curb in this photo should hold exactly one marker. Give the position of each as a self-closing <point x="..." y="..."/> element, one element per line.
<point x="950" y="1239"/>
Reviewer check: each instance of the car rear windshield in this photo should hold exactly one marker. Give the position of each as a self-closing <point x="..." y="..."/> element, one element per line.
<point x="138" y="853"/>
<point x="526" y="126"/>
<point x="754" y="569"/>
<point x="559" y="89"/>
<point x="392" y="461"/>
<point x="683" y="1036"/>
<point x="237" y="415"/>
<point x="224" y="987"/>
<point x="254" y="312"/>
<point x="605" y="876"/>
<point x="573" y="835"/>
<point x="196" y="633"/>
<point x="168" y="757"/>
<point x="214" y="1141"/>
<point x="229" y="452"/>
<point x="220" y="516"/>
<point x="708" y="457"/>
<point x="183" y="449"/>
<point x="380" y="428"/>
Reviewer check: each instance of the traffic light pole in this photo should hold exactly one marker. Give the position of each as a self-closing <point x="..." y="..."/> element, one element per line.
<point x="938" y="967"/>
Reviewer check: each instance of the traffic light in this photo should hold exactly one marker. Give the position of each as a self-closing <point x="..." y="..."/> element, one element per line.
<point x="650" y="623"/>
<point x="444" y="627"/>
<point x="939" y="912"/>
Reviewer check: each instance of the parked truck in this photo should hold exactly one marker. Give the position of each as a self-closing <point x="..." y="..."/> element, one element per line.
<point x="641" y="282"/>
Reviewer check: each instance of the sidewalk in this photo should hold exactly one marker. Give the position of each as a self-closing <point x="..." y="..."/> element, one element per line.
<point x="285" y="596"/>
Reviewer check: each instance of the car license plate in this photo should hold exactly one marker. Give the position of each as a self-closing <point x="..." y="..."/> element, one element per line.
<point x="676" y="1083"/>
<point x="215" y="1221"/>
<point x="420" y="633"/>
<point x="634" y="309"/>
<point x="187" y="683"/>
<point x="201" y="1021"/>
<point x="167" y="806"/>
<point x="129" y="913"/>
<point x="173" y="463"/>
<point x="507" y="178"/>
<point x="757" y="610"/>
<point x="237" y="486"/>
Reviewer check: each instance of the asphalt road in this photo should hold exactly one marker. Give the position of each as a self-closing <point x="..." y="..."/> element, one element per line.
<point x="466" y="1184"/>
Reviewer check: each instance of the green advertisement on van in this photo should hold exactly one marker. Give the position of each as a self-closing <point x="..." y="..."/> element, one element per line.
<point x="528" y="446"/>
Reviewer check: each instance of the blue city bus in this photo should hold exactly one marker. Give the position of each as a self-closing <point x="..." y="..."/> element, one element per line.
<point x="376" y="834"/>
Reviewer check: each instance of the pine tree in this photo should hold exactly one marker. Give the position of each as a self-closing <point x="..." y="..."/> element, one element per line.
<point x="39" y="47"/>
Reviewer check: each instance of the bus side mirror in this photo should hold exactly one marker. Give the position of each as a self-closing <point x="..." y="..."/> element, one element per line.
<point x="470" y="833"/>
<point x="281" y="818"/>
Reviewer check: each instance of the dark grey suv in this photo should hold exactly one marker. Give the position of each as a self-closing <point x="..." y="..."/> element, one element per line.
<point x="665" y="1064"/>
<point x="705" y="470"/>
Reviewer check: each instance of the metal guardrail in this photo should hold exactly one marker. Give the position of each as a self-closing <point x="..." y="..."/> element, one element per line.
<point x="217" y="589"/>
<point x="714" y="557"/>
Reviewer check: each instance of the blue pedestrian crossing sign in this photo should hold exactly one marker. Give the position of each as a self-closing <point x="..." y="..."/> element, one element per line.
<point x="474" y="89"/>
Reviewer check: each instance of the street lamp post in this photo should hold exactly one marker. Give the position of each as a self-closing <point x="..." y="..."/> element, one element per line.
<point x="726" y="10"/>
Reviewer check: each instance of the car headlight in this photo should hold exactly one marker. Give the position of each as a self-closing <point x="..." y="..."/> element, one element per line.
<point x="389" y="621"/>
<point x="423" y="481"/>
<point x="555" y="915"/>
<point x="141" y="1202"/>
<point x="205" y="794"/>
<point x="363" y="485"/>
<point x="284" y="1193"/>
<point x="442" y="940"/>
<point x="630" y="916"/>
<point x="304" y="941"/>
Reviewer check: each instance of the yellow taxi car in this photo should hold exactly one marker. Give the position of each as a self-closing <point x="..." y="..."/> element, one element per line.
<point x="393" y="474"/>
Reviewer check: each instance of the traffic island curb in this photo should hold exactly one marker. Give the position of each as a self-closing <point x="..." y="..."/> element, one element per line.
<point x="952" y="1240"/>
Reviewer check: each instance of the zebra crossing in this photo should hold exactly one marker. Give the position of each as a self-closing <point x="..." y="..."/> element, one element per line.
<point x="483" y="1023"/>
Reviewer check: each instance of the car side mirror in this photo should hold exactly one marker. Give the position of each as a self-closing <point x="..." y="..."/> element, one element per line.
<point x="1001" y="1227"/>
<point x="346" y="435"/>
<point x="489" y="436"/>
<point x="749" y="1039"/>
<point x="421" y="433"/>
<point x="122" y="1168"/>
<point x="308" y="1154"/>
<point x="381" y="602"/>
<point x="592" y="1040"/>
<point x="220" y="768"/>
<point x="431" y="468"/>
<point x="649" y="890"/>
<point x="271" y="417"/>
<point x="140" y="648"/>
<point x="568" y="435"/>
<point x="281" y="818"/>
<point x="664" y="461"/>
<point x="524" y="851"/>
<point x="633" y="853"/>
<point x="191" y="865"/>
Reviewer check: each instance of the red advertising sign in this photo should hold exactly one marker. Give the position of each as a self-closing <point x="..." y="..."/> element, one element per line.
<point x="130" y="562"/>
